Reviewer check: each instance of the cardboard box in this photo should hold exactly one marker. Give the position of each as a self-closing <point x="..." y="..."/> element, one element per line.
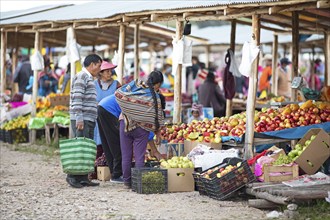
<point x="189" y="145"/>
<point x="276" y="152"/>
<point x="180" y="180"/>
<point x="317" y="152"/>
<point x="287" y="172"/>
<point x="60" y="100"/>
<point x="103" y="173"/>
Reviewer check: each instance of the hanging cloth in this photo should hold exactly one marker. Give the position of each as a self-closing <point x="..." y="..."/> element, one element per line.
<point x="250" y="52"/>
<point x="233" y="65"/>
<point x="228" y="79"/>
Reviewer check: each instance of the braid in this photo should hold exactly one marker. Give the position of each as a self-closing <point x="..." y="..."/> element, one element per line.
<point x="151" y="87"/>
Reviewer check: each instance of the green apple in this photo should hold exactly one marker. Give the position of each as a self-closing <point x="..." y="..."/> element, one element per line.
<point x="298" y="147"/>
<point x="313" y="137"/>
<point x="307" y="142"/>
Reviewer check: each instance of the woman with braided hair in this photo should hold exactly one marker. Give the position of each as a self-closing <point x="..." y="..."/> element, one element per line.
<point x="141" y="113"/>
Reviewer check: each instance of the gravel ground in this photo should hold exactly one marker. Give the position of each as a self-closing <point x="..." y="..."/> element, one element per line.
<point x="33" y="187"/>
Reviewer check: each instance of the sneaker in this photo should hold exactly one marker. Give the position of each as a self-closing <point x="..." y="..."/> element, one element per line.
<point x="117" y="180"/>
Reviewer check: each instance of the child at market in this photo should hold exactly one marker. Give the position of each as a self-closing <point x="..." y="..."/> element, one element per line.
<point x="195" y="113"/>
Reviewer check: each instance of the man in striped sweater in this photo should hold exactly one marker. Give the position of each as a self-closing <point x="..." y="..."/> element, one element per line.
<point x="83" y="109"/>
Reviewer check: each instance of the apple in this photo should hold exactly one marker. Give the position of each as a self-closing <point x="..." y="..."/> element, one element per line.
<point x="313" y="137"/>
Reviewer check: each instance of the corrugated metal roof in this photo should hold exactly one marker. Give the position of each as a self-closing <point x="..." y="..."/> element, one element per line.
<point x="18" y="13"/>
<point x="105" y="9"/>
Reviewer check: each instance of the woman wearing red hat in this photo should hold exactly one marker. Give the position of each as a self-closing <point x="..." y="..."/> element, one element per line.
<point x="105" y="86"/>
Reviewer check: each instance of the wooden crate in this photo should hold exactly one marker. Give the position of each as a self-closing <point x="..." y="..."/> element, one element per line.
<point x="268" y="169"/>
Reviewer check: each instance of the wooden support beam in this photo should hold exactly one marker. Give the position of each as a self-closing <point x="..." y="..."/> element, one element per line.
<point x="14" y="62"/>
<point x="187" y="14"/>
<point x="178" y="78"/>
<point x="274" y="65"/>
<point x="253" y="80"/>
<point x="121" y="53"/>
<point x="323" y="4"/>
<point x="295" y="51"/>
<point x="276" y="9"/>
<point x="35" y="87"/>
<point x="3" y="62"/>
<point x="229" y="102"/>
<point x="154" y="17"/>
<point x="327" y="58"/>
<point x="136" y="51"/>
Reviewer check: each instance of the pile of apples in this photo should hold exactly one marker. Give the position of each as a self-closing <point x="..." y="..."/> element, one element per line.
<point x="265" y="120"/>
<point x="298" y="148"/>
<point x="177" y="162"/>
<point x="290" y="116"/>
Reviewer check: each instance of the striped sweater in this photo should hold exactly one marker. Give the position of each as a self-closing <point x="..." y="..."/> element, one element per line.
<point x="83" y="104"/>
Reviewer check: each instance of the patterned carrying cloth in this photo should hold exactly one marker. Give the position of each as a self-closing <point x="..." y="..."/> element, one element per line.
<point x="138" y="107"/>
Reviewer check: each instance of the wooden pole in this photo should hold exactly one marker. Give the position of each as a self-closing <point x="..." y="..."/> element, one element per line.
<point x="207" y="56"/>
<point x="249" y="134"/>
<point x="313" y="69"/>
<point x="229" y="102"/>
<point x="136" y="51"/>
<point x="178" y="76"/>
<point x="274" y="65"/>
<point x="35" y="87"/>
<point x="295" y="51"/>
<point x="327" y="58"/>
<point x="3" y="63"/>
<point x="14" y="64"/>
<point x="70" y="36"/>
<point x="152" y="57"/>
<point x="121" y="53"/>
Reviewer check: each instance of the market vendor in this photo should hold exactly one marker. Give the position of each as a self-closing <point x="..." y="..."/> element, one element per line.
<point x="283" y="77"/>
<point x="47" y="80"/>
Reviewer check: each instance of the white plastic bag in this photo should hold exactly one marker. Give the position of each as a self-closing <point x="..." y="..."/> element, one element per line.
<point x="114" y="60"/>
<point x="74" y="51"/>
<point x="37" y="61"/>
<point x="250" y="52"/>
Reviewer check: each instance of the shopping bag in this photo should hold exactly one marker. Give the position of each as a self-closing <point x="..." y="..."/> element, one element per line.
<point x="77" y="155"/>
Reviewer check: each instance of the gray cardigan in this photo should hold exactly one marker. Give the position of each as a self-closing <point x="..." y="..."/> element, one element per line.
<point x="83" y="104"/>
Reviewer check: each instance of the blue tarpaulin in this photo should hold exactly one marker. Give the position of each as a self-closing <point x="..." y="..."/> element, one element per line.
<point x="290" y="133"/>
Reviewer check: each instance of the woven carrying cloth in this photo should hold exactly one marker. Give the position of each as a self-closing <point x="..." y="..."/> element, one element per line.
<point x="77" y="155"/>
<point x="138" y="107"/>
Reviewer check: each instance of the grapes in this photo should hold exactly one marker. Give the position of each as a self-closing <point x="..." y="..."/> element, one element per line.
<point x="282" y="159"/>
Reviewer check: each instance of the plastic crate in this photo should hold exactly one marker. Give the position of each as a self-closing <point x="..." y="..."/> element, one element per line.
<point x="150" y="186"/>
<point x="223" y="187"/>
<point x="200" y="187"/>
<point x="2" y="135"/>
<point x="16" y="136"/>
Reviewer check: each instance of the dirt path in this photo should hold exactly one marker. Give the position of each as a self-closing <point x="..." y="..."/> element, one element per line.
<point x="33" y="187"/>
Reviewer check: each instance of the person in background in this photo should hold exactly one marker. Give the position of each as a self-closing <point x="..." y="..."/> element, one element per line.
<point x="47" y="80"/>
<point x="108" y="112"/>
<point x="284" y="78"/>
<point x="83" y="109"/>
<point x="317" y="76"/>
<point x="266" y="75"/>
<point x="22" y="75"/>
<point x="168" y="77"/>
<point x="105" y="86"/>
<point x="65" y="80"/>
<point x="196" y="113"/>
<point x="210" y="95"/>
<point x="133" y="133"/>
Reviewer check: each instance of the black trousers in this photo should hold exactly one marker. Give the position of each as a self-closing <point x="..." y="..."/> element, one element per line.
<point x="87" y="132"/>
<point x="109" y="133"/>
